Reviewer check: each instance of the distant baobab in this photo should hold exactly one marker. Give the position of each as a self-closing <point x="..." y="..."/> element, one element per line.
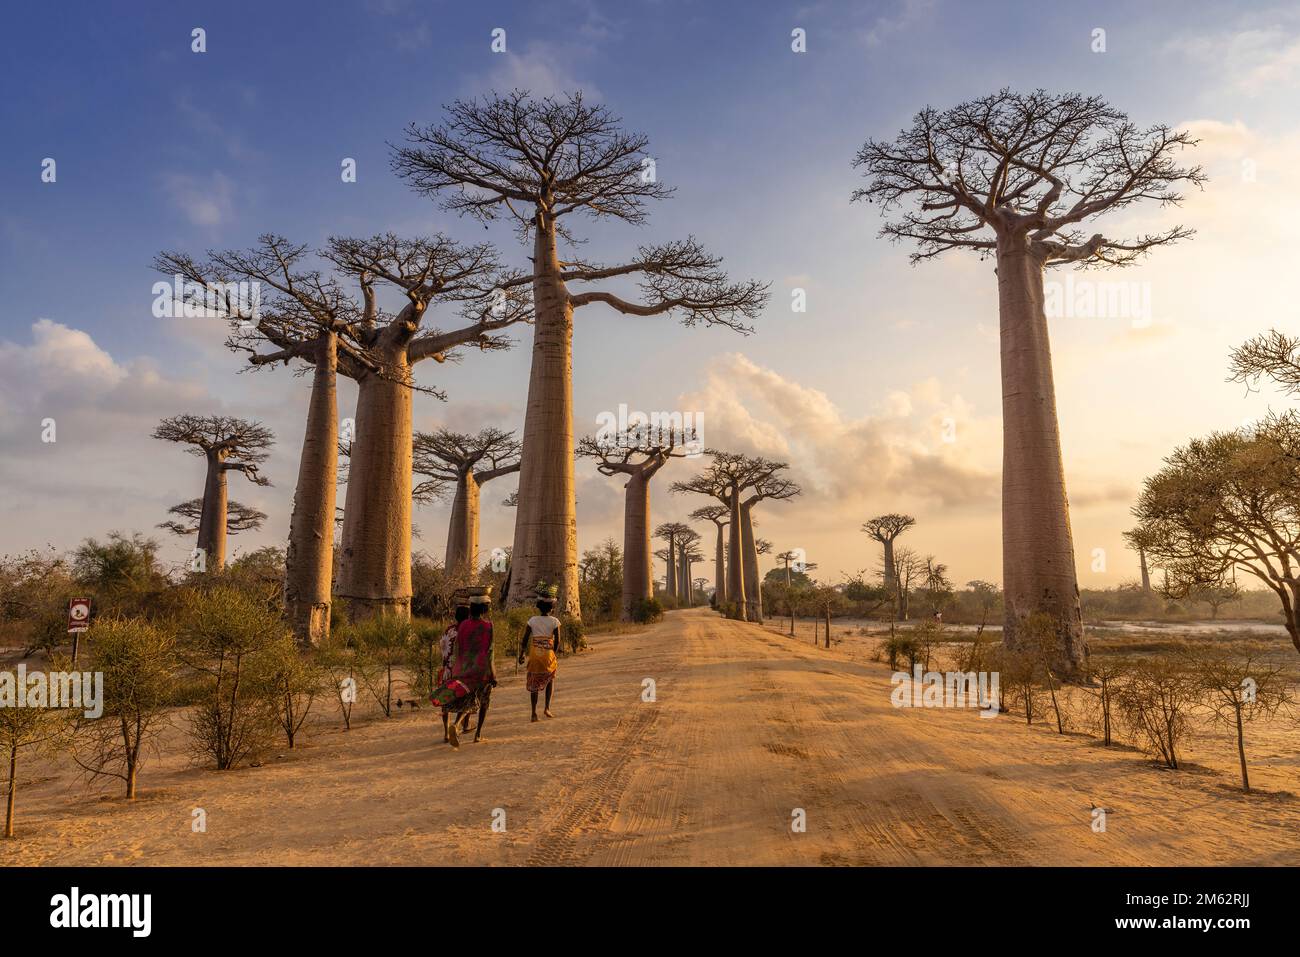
<point x="226" y="444"/>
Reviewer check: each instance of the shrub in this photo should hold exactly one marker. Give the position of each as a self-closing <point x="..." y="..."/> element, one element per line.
<point x="226" y="635"/>
<point x="138" y="659"/>
<point x="1155" y="700"/>
<point x="295" y="683"/>
<point x="647" y="611"/>
<point x="384" y="643"/>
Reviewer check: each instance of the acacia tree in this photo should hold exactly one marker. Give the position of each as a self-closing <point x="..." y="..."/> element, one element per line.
<point x="720" y="516"/>
<point x="307" y="318"/>
<point x="885" y="529"/>
<point x="539" y="161"/>
<point x="671" y="532"/>
<point x="639" y="454"/>
<point x="1016" y="176"/>
<point x="1228" y="502"/>
<point x="375" y="559"/>
<point x="226" y="444"/>
<point x="465" y="462"/>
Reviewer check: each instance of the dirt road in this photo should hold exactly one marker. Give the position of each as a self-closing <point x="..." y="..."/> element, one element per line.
<point x="746" y="730"/>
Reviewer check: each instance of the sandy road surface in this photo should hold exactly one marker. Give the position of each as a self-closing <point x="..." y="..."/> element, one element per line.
<point x="747" y="726"/>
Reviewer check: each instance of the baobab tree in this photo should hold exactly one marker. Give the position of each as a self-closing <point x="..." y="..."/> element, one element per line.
<point x="720" y="516"/>
<point x="539" y="161"/>
<point x="687" y="552"/>
<point x="1138" y="542"/>
<point x="791" y="558"/>
<point x="885" y="529"/>
<point x="226" y="444"/>
<point x="465" y="462"/>
<point x="639" y="454"/>
<point x="239" y="518"/>
<point x="298" y="315"/>
<point x="671" y="532"/>
<point x="1016" y="176"/>
<point x="740" y="482"/>
<point x="375" y="559"/>
<point x="765" y="485"/>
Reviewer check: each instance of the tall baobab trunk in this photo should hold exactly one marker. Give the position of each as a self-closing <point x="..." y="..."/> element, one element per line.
<point x="1037" y="547"/>
<point x="546" y="524"/>
<point x="684" y="576"/>
<point x="753" y="585"/>
<point x="720" y="570"/>
<point x="309" y="559"/>
<point x="375" y="565"/>
<point x="670" y="569"/>
<point x="212" y="517"/>
<point x="736" y="583"/>
<point x="638" y="582"/>
<point x="1146" y="572"/>
<point x="891" y="578"/>
<point x="462" y="535"/>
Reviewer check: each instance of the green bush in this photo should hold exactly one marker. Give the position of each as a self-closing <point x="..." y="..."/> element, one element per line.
<point x="647" y="611"/>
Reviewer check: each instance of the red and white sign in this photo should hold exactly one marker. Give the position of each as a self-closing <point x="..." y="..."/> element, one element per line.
<point x="78" y="614"/>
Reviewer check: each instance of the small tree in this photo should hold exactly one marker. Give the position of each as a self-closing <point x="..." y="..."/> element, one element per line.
<point x="384" y="644"/>
<point x="295" y="682"/>
<point x="337" y="655"/>
<point x="1107" y="673"/>
<point x="226" y="636"/>
<point x="1156" y="701"/>
<point x="1237" y="691"/>
<point x="23" y="729"/>
<point x="138" y="659"/>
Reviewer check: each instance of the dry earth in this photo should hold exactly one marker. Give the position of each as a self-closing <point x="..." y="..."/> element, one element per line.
<point x="747" y="726"/>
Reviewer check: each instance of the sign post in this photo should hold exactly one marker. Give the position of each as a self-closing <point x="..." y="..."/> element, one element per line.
<point x="78" y="621"/>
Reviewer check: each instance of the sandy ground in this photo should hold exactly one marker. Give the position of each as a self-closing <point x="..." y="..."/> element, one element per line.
<point x="747" y="727"/>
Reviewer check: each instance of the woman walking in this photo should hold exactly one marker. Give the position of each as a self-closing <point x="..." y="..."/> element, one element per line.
<point x="540" y="644"/>
<point x="472" y="670"/>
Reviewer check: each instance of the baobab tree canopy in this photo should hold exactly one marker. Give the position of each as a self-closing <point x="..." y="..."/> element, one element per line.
<point x="1031" y="166"/>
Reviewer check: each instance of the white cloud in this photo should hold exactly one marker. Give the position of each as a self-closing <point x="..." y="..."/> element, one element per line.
<point x="204" y="201"/>
<point x="896" y="453"/>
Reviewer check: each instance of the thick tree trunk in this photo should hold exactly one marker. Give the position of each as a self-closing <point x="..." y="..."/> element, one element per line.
<point x="212" y="516"/>
<point x="637" y="577"/>
<point x="1146" y="573"/>
<point x="1037" y="548"/>
<point x="309" y="559"/>
<point x="375" y="563"/>
<point x="546" y="525"/>
<point x="891" y="577"/>
<point x="736" y="583"/>
<point x="462" y="534"/>
<point x="720" y="570"/>
<point x="753" y="585"/>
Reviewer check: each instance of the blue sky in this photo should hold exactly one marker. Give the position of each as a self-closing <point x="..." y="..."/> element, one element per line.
<point x="161" y="148"/>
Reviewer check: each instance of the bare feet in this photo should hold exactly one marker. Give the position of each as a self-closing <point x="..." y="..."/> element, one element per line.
<point x="454" y="737"/>
<point x="548" y="714"/>
<point x="534" y="715"/>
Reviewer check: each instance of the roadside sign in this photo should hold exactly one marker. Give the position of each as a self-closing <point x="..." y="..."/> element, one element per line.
<point x="78" y="615"/>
